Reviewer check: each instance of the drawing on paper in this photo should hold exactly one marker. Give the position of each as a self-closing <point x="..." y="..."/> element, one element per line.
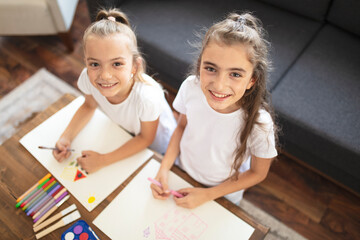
<point x="147" y="232"/>
<point x="73" y="172"/>
<point x="177" y="224"/>
<point x="91" y="199"/>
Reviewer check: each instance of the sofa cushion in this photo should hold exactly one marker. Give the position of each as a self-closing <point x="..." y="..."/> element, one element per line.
<point x="165" y="28"/>
<point x="309" y="8"/>
<point x="318" y="103"/>
<point x="345" y="14"/>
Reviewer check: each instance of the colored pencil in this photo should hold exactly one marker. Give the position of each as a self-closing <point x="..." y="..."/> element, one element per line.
<point x="31" y="194"/>
<point x="53" y="209"/>
<point x="43" y="209"/>
<point x="41" y="196"/>
<point x="42" y="190"/>
<point x="47" y="195"/>
<point x="46" y="201"/>
<point x="52" y="203"/>
<point x="33" y="187"/>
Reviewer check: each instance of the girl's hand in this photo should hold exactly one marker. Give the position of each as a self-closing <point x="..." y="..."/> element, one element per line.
<point x="193" y="197"/>
<point x="91" y="161"/>
<point x="161" y="192"/>
<point x="62" y="144"/>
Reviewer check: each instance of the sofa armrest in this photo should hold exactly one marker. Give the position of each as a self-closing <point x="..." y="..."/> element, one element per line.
<point x="63" y="12"/>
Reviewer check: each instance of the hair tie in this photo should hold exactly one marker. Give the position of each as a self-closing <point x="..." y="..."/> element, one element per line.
<point x="111" y="18"/>
<point x="242" y="22"/>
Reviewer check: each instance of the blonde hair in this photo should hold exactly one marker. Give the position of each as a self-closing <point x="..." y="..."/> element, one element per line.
<point x="105" y="26"/>
<point x="245" y="29"/>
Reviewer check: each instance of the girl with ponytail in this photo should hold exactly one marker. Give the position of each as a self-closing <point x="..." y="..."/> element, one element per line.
<point x="114" y="80"/>
<point x="226" y="136"/>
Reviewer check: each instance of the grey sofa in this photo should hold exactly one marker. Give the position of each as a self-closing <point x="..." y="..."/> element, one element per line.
<point x="315" y="84"/>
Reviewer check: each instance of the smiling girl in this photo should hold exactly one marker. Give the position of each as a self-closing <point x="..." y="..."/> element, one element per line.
<point x="225" y="138"/>
<point x="114" y="80"/>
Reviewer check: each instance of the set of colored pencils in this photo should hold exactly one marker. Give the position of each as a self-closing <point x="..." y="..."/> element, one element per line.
<point x="42" y="197"/>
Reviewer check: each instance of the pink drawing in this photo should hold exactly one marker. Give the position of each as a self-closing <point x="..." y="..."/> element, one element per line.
<point x="178" y="225"/>
<point x="147" y="232"/>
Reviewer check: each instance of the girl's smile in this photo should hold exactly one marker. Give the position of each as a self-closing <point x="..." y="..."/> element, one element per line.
<point x="104" y="85"/>
<point x="219" y="96"/>
<point x="110" y="66"/>
<point x="225" y="75"/>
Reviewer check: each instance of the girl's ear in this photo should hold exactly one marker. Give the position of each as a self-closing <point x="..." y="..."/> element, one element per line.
<point x="137" y="65"/>
<point x="251" y="83"/>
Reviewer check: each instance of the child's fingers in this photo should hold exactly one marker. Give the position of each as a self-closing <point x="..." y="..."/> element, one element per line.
<point x="59" y="155"/>
<point x="85" y="153"/>
<point x="67" y="154"/>
<point x="158" y="192"/>
<point x="165" y="187"/>
<point x="182" y="202"/>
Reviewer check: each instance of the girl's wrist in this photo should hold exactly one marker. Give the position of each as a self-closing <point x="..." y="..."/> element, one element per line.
<point x="165" y="166"/>
<point x="66" y="137"/>
<point x="105" y="159"/>
<point x="212" y="193"/>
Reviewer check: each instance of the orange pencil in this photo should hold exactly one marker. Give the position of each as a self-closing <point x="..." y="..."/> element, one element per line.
<point x="33" y="187"/>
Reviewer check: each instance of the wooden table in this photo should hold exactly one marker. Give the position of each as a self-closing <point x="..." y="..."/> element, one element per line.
<point x="19" y="170"/>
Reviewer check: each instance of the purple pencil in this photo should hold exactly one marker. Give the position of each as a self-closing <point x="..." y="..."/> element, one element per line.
<point x="46" y="201"/>
<point x="53" y="202"/>
<point x="48" y="195"/>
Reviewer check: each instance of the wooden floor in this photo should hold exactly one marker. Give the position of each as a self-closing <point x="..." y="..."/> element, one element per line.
<point x="303" y="200"/>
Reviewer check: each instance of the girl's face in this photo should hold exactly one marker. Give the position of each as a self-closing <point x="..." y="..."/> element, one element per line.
<point x="110" y="66"/>
<point x="225" y="74"/>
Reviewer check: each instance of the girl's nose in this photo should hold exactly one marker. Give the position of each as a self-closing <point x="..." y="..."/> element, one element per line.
<point x="106" y="74"/>
<point x="220" y="82"/>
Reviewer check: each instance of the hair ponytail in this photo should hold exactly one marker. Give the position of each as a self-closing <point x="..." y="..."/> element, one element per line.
<point x="119" y="16"/>
<point x="113" y="21"/>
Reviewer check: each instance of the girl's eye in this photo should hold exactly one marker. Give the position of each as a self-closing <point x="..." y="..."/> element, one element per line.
<point x="94" y="64"/>
<point x="236" y="75"/>
<point x="210" y="69"/>
<point x="117" y="64"/>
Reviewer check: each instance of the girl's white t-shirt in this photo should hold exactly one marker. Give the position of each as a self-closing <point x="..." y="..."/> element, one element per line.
<point x="209" y="141"/>
<point x="146" y="102"/>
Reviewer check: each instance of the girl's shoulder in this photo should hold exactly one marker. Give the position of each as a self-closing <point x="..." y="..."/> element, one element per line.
<point x="191" y="82"/>
<point x="264" y="117"/>
<point x="149" y="90"/>
<point x="265" y="122"/>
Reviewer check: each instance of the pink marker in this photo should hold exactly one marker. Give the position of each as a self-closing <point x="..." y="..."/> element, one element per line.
<point x="175" y="193"/>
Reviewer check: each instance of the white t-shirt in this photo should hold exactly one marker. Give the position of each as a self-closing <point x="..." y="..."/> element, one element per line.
<point x="210" y="138"/>
<point x="146" y="102"/>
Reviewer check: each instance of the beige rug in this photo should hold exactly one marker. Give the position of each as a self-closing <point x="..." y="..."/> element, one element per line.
<point x="44" y="88"/>
<point x="34" y="95"/>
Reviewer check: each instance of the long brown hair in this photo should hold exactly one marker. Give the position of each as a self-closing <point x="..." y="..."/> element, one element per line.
<point x="246" y="29"/>
<point x="104" y="26"/>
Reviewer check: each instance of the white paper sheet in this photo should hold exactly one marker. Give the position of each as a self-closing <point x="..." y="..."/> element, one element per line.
<point x="100" y="135"/>
<point x="135" y="214"/>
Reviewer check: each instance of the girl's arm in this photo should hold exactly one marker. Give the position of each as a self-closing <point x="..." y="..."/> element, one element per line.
<point x="92" y="161"/>
<point x="256" y="174"/>
<point x="79" y="120"/>
<point x="171" y="154"/>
